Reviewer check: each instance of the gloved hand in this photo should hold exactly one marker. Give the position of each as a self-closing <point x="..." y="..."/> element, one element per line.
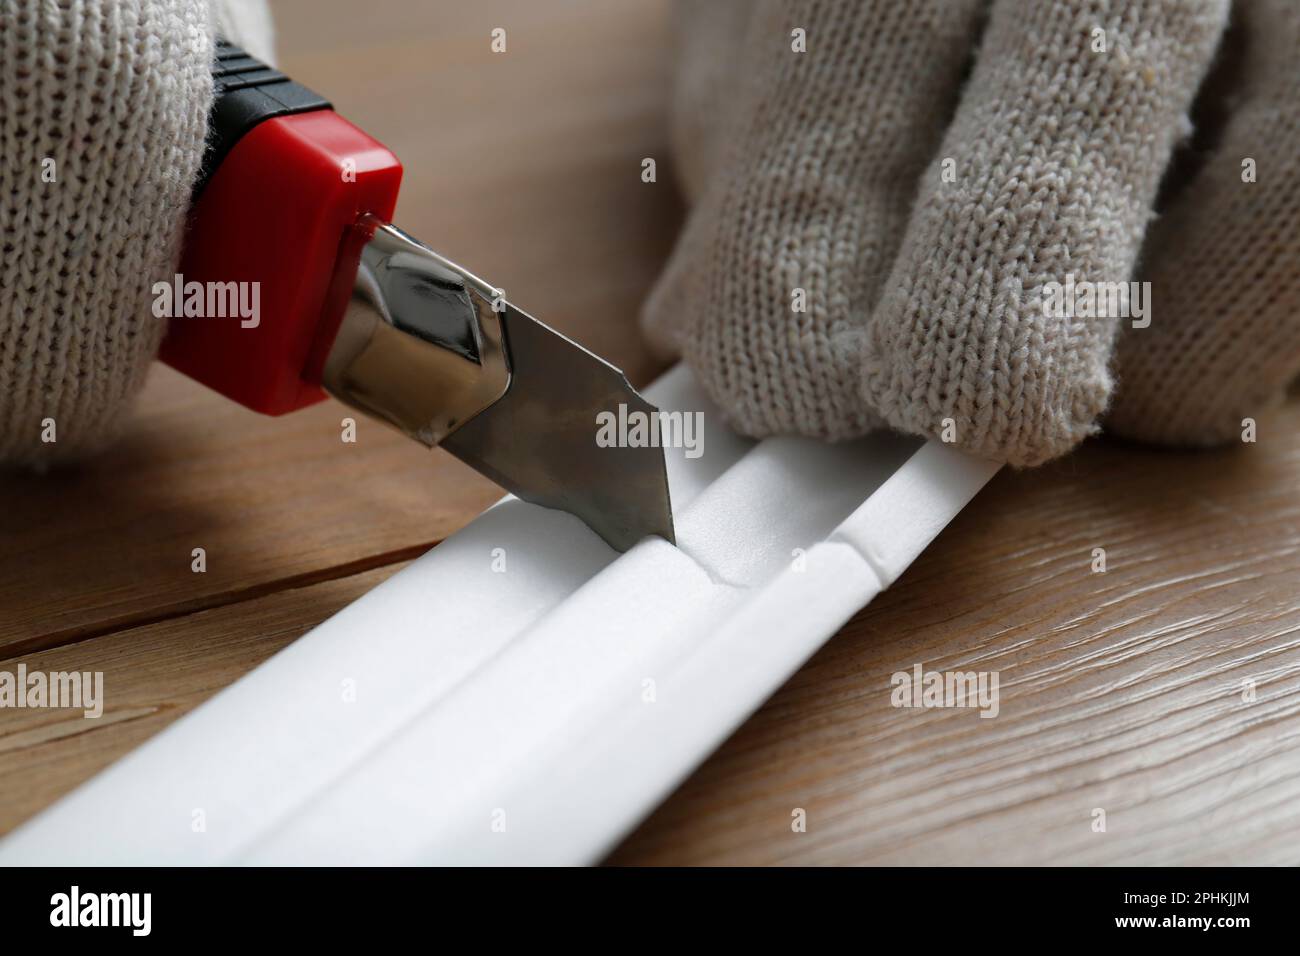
<point x="103" y="114"/>
<point x="921" y="203"/>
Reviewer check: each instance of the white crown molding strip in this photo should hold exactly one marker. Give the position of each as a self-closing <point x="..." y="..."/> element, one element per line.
<point x="261" y="748"/>
<point x="531" y="699"/>
<point x="617" y="768"/>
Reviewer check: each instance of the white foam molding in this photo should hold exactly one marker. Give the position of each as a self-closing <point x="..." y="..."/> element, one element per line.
<point x="521" y="696"/>
<point x="577" y="797"/>
<point x="894" y="525"/>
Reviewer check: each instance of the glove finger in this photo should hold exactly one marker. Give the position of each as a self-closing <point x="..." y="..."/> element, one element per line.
<point x="1055" y="152"/>
<point x="102" y="122"/>
<point x="1224" y="259"/>
<point x="768" y="290"/>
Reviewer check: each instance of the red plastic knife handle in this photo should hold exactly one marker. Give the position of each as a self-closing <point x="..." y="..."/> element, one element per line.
<point x="286" y="184"/>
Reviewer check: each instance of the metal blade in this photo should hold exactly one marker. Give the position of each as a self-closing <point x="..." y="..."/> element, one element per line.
<point x="433" y="350"/>
<point x="539" y="439"/>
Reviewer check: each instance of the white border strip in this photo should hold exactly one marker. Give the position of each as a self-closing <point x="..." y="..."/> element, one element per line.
<point x="521" y="698"/>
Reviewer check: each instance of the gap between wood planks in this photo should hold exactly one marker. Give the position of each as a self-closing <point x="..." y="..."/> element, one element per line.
<point x="75" y="635"/>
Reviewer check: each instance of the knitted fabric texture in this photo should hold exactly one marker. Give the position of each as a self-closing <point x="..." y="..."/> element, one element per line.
<point x="1224" y="258"/>
<point x="875" y="230"/>
<point x="103" y="114"/>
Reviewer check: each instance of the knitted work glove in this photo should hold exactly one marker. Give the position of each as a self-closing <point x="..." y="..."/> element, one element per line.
<point x="878" y="221"/>
<point x="103" y="113"/>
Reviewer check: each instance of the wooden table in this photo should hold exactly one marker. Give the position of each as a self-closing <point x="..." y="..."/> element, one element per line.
<point x="1120" y="691"/>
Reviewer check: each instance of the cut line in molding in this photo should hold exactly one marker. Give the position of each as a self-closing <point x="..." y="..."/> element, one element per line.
<point x="522" y="693"/>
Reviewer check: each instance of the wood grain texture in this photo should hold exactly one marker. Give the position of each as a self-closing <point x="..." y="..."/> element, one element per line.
<point x="152" y="675"/>
<point x="273" y="502"/>
<point x="1120" y="691"/>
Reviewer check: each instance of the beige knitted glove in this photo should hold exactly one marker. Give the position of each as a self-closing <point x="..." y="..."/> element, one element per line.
<point x="878" y="222"/>
<point x="103" y="113"/>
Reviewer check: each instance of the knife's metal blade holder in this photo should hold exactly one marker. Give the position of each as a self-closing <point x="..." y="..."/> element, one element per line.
<point x="419" y="346"/>
<point x="426" y="346"/>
